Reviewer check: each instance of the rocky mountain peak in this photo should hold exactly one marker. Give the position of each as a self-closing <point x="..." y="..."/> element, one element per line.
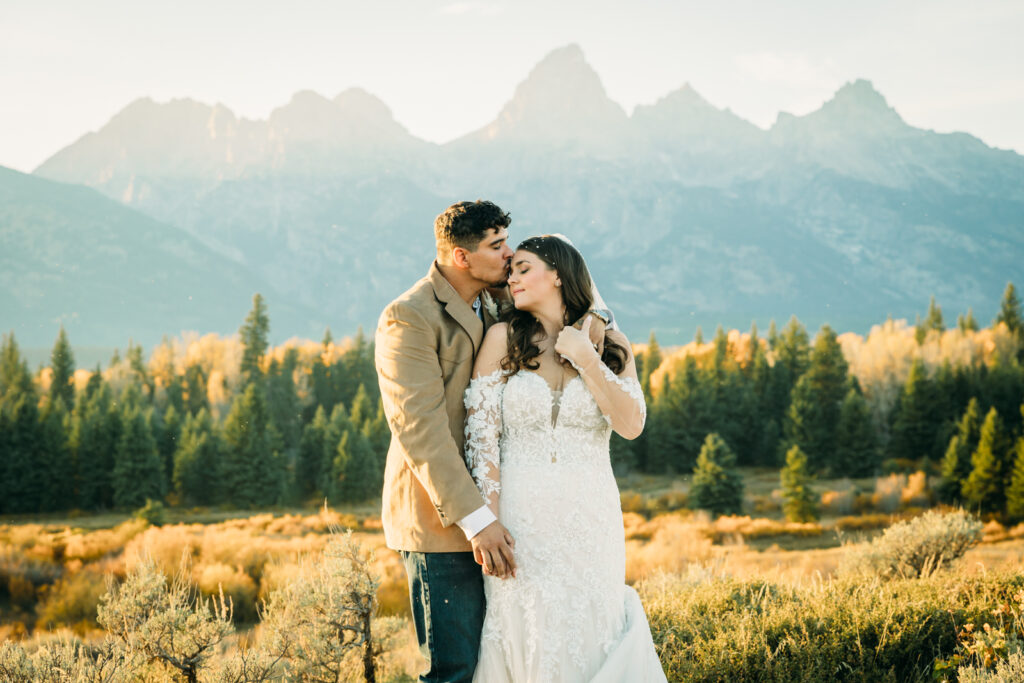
<point x="855" y="109"/>
<point x="561" y="99"/>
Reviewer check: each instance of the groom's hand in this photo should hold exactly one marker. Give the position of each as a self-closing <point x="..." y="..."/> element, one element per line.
<point x="493" y="548"/>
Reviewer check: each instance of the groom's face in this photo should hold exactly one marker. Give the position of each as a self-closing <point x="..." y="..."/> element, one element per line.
<point x="490" y="262"/>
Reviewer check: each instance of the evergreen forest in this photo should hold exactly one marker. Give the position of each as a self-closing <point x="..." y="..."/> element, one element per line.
<point x="206" y="420"/>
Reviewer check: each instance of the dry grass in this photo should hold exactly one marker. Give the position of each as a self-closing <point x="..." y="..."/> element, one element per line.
<point x="248" y="557"/>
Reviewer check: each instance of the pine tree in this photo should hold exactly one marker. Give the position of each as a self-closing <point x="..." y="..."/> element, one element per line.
<point x="933" y="322"/>
<point x="138" y="471"/>
<point x="252" y="473"/>
<point x="1015" y="491"/>
<point x="762" y="410"/>
<point x="698" y="337"/>
<point x="800" y="502"/>
<point x="1010" y="309"/>
<point x="984" y="488"/>
<point x="14" y="373"/>
<point x="334" y="460"/>
<point x="197" y="460"/>
<point x="94" y="383"/>
<point x="254" y="332"/>
<point x="25" y="475"/>
<point x="967" y="323"/>
<point x="167" y="440"/>
<point x="1002" y="388"/>
<point x="682" y="417"/>
<point x="95" y="432"/>
<point x="956" y="464"/>
<point x="54" y="457"/>
<point x="355" y="471"/>
<point x="195" y="398"/>
<point x="817" y="397"/>
<point x="379" y="434"/>
<point x="62" y="363"/>
<point x="137" y="363"/>
<point x="283" y="404"/>
<point x="17" y="428"/>
<point x="360" y="407"/>
<point x="651" y="360"/>
<point x="311" y="454"/>
<point x="1010" y="314"/>
<point x="717" y="485"/>
<point x="793" y="349"/>
<point x="856" y="449"/>
<point x="918" y="417"/>
<point x="328" y="338"/>
<point x="773" y="334"/>
<point x="951" y="470"/>
<point x="6" y="447"/>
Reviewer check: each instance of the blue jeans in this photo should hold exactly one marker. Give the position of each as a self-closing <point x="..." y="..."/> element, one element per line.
<point x="447" y="595"/>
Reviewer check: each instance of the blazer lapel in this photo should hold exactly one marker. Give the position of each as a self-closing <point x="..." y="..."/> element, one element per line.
<point x="456" y="307"/>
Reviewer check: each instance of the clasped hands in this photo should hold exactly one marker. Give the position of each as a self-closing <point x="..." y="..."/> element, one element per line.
<point x="493" y="549"/>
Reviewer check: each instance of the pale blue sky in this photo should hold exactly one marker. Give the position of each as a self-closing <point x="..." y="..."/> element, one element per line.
<point x="446" y="67"/>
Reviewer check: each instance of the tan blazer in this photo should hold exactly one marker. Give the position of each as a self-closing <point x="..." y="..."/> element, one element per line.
<point x="425" y="344"/>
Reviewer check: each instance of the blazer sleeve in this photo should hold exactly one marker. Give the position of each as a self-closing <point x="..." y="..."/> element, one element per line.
<point x="412" y="391"/>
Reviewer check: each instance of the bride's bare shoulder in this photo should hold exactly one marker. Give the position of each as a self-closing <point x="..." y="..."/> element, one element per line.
<point x="493" y="349"/>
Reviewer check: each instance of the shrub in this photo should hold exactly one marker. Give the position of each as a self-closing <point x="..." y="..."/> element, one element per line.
<point x="153" y="512"/>
<point x="917" y="547"/>
<point x="863" y="522"/>
<point x="633" y="501"/>
<point x="916" y="493"/>
<point x="322" y="623"/>
<point x="231" y="583"/>
<point x="165" y="623"/>
<point x="72" y="601"/>
<point x="63" y="661"/>
<point x="1010" y="670"/>
<point x="838" y="502"/>
<point x="848" y="629"/>
<point x="889" y="492"/>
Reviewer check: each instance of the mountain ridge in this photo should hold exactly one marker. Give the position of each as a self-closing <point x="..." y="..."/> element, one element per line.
<point x="690" y="214"/>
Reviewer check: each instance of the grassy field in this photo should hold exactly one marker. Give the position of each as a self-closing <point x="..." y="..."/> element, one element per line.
<point x="54" y="570"/>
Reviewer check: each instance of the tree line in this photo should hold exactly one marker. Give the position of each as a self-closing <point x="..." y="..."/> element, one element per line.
<point x="804" y="411"/>
<point x="115" y="447"/>
<point x="296" y="427"/>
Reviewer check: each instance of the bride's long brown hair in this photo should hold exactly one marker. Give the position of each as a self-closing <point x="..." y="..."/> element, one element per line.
<point x="577" y="296"/>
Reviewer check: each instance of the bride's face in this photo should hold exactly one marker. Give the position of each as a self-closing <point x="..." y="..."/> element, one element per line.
<point x="532" y="282"/>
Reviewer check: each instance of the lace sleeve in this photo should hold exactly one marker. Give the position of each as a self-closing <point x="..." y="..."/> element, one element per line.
<point x="483" y="432"/>
<point x="620" y="398"/>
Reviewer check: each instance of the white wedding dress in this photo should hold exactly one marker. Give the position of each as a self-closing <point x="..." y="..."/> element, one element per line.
<point x="568" y="615"/>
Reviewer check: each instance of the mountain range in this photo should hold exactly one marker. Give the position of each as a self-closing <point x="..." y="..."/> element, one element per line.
<point x="688" y="214"/>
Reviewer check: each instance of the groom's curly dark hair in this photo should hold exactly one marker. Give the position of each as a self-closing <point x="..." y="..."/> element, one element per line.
<point x="464" y="224"/>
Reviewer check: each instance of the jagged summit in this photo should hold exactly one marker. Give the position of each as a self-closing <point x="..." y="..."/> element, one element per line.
<point x="562" y="99"/>
<point x="684" y="114"/>
<point x="855" y="109"/>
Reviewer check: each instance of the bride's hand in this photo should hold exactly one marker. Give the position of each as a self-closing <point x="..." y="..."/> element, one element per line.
<point x="575" y="345"/>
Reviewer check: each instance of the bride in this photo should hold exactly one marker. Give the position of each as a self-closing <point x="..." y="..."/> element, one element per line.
<point x="537" y="432"/>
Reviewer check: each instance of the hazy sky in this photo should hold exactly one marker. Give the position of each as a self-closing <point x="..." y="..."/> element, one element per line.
<point x="446" y="68"/>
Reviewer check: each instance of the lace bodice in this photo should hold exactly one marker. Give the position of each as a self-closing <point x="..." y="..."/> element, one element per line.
<point x="513" y="422"/>
<point x="550" y="483"/>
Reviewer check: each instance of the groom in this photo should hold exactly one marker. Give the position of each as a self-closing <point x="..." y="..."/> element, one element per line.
<point x="433" y="513"/>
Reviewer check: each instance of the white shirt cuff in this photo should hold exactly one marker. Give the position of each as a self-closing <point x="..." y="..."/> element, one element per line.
<point x="476" y="521"/>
